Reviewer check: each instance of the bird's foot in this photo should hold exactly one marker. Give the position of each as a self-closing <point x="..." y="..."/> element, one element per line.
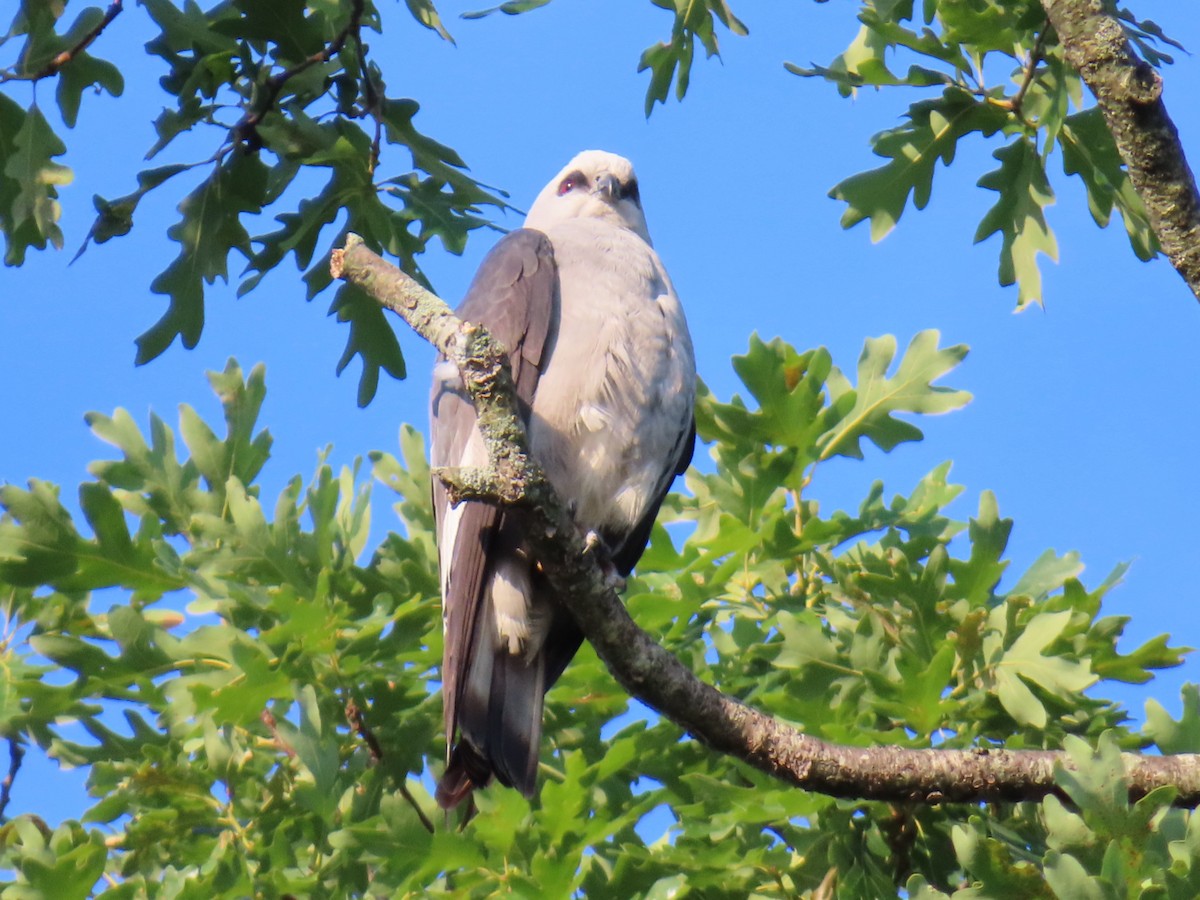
<point x="593" y="544"/>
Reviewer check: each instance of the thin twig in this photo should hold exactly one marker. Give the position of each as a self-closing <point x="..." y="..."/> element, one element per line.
<point x="412" y="801"/>
<point x="354" y="715"/>
<point x="268" y="719"/>
<point x="55" y="64"/>
<point x="16" y="753"/>
<point x="245" y="131"/>
<point x="375" y="143"/>
<point x="1035" y="57"/>
<point x="371" y="101"/>
<point x="824" y="890"/>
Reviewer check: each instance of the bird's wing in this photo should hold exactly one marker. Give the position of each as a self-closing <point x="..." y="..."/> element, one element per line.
<point x="513" y="296"/>
<point x="626" y="549"/>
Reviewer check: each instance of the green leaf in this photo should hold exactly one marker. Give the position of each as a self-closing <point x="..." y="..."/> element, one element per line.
<point x="243" y="453"/>
<point x="40" y="545"/>
<point x="672" y="61"/>
<point x="1144" y="35"/>
<point x="209" y="230"/>
<point x="668" y="888"/>
<point x="65" y="864"/>
<point x="299" y="233"/>
<point x="975" y="578"/>
<point x="918" y="697"/>
<point x="859" y="64"/>
<point x="789" y="389"/>
<point x="1018" y="217"/>
<point x="917" y="888"/>
<point x="1047" y="574"/>
<point x="1065" y="829"/>
<point x="1026" y="660"/>
<point x="83" y="70"/>
<point x="31" y="216"/>
<point x="1090" y="152"/>
<point x="316" y="750"/>
<point x="869" y="407"/>
<point x="426" y="13"/>
<point x="371" y="337"/>
<point x="1171" y="736"/>
<point x="286" y="24"/>
<point x="511" y="8"/>
<point x="932" y="133"/>
<point x="114" y="218"/>
<point x="1069" y="880"/>
<point x="990" y="862"/>
<point x="804" y="642"/>
<point x="1095" y="782"/>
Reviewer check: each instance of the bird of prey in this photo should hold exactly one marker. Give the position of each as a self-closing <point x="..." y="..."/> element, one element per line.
<point x="605" y="376"/>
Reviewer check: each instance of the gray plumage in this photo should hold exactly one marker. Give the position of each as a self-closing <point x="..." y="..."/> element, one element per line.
<point x="605" y="374"/>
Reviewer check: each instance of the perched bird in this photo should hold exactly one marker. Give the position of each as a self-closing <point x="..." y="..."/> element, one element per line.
<point x="605" y="375"/>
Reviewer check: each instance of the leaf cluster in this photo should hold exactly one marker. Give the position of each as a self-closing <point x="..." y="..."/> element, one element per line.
<point x="279" y="90"/>
<point x="1000" y="71"/>
<point x="253" y="689"/>
<point x="297" y="122"/>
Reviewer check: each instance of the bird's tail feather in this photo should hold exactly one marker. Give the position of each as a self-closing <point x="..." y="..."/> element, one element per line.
<point x="466" y="771"/>
<point x="515" y="720"/>
<point x="499" y="719"/>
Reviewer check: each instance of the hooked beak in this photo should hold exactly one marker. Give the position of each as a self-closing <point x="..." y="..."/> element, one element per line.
<point x="608" y="187"/>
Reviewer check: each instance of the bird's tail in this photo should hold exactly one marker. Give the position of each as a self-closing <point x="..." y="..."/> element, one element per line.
<point x="465" y="771"/>
<point x="499" y="721"/>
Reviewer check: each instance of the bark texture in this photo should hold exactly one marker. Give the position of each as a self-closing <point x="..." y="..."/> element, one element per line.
<point x="1130" y="95"/>
<point x="658" y="678"/>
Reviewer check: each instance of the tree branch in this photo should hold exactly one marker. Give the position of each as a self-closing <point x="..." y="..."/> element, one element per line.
<point x="61" y="59"/>
<point x="245" y="132"/>
<point x="1129" y="94"/>
<point x="1035" y="57"/>
<point x="659" y="679"/>
<point x="16" y="753"/>
<point x="356" y="720"/>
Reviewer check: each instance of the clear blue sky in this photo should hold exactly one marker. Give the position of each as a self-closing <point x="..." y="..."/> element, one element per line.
<point x="1085" y="418"/>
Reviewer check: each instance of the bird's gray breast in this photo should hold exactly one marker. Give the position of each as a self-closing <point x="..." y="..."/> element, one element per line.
<point x="615" y="398"/>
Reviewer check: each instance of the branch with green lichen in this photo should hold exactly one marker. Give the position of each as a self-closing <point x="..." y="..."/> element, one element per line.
<point x="1129" y="94"/>
<point x="656" y="677"/>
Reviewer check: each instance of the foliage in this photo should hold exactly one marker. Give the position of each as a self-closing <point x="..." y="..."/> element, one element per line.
<point x="284" y="95"/>
<point x="277" y="89"/>
<point x="999" y="69"/>
<point x="252" y="687"/>
<point x="231" y="661"/>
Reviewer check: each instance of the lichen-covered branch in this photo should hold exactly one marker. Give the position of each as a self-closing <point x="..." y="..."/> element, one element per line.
<point x="658" y="678"/>
<point x="481" y="360"/>
<point x="1129" y="94"/>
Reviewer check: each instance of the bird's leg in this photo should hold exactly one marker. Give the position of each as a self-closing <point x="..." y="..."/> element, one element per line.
<point x="594" y="544"/>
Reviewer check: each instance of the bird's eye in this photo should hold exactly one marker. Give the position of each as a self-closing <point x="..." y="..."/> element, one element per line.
<point x="572" y="181"/>
<point x="630" y="192"/>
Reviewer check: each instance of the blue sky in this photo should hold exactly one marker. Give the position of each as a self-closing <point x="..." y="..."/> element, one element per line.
<point x="1085" y="415"/>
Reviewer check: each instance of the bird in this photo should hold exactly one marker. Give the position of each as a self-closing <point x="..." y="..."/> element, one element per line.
<point x="605" y="375"/>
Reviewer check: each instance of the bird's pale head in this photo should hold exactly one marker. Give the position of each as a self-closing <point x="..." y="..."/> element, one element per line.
<point x="593" y="185"/>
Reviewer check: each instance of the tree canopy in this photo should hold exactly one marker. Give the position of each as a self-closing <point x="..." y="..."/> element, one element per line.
<point x="250" y="680"/>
